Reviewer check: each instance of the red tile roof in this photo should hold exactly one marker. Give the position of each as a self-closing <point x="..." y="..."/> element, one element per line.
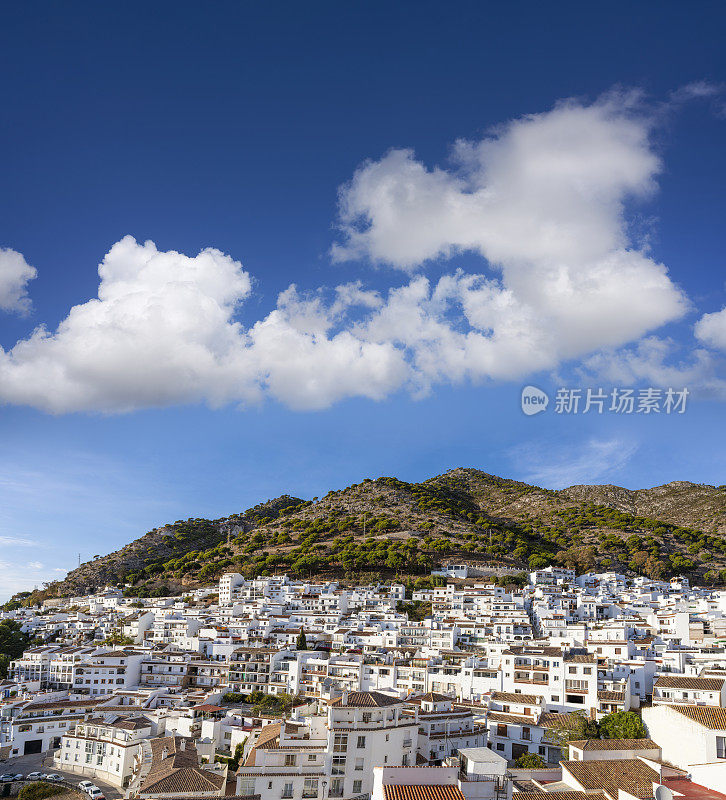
<point x="420" y="792"/>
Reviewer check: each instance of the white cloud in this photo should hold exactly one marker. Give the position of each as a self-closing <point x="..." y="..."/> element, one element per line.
<point x="658" y="362"/>
<point x="543" y="200"/>
<point x="584" y="463"/>
<point x="14" y="577"/>
<point x="162" y="331"/>
<point x="16" y="541"/>
<point x="15" y="273"/>
<point x="711" y="329"/>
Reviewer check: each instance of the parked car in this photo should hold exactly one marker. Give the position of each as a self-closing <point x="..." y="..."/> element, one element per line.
<point x="8" y="777"/>
<point x="34" y="776"/>
<point x="95" y="793"/>
<point x="52" y="776"/>
<point x="84" y="786"/>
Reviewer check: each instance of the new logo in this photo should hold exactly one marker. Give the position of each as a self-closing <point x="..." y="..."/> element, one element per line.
<point x="534" y="400"/>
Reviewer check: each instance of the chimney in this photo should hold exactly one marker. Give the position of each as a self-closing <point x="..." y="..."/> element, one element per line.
<point x="164" y="753"/>
<point x="344" y="698"/>
<point x="183" y="745"/>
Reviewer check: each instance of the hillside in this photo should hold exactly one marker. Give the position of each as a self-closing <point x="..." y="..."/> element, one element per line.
<point x="387" y="527"/>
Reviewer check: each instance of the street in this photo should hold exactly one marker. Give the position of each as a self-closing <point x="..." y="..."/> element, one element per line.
<point x="43" y="762"/>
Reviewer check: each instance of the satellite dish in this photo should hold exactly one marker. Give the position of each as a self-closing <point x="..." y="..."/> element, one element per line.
<point x="661" y="792"/>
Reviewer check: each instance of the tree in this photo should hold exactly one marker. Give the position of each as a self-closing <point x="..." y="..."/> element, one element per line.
<point x="302" y="642"/>
<point x="12" y="643"/>
<point x="117" y="637"/>
<point x="530" y="761"/>
<point x="572" y="727"/>
<point x="623" y="725"/>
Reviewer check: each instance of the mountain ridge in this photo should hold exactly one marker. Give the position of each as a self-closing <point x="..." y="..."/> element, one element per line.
<point x="385" y="527"/>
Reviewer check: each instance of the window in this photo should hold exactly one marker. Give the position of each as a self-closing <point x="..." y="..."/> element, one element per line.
<point x="338" y="765"/>
<point x="359" y="764"/>
<point x="340" y="743"/>
<point x="290" y="760"/>
<point x="357" y="787"/>
<point x="501" y="730"/>
<point x="287" y="790"/>
<point x="367" y="716"/>
<point x="311" y="757"/>
<point x="310" y="788"/>
<point x="721" y="747"/>
<point x="361" y="742"/>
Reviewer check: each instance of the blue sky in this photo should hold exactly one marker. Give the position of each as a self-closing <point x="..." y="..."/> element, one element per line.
<point x="573" y="237"/>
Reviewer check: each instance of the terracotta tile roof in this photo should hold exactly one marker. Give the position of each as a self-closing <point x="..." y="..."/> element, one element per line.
<point x="419" y="792"/>
<point x="685" y="682"/>
<point x="366" y="700"/>
<point x="692" y="791"/>
<point x="59" y="704"/>
<point x="712" y="717"/>
<point x="184" y="780"/>
<point x="614" y="744"/>
<point x="550" y="652"/>
<point x="613" y="697"/>
<point x="557" y="721"/>
<point x="628" y="774"/>
<point x="134" y="724"/>
<point x="560" y="796"/>
<point x="174" y="765"/>
<point x="513" y="697"/>
<point x="269" y="736"/>
<point x="433" y="697"/>
<point x="509" y="719"/>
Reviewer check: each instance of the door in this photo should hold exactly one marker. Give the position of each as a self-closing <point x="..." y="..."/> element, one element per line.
<point x="33" y="746"/>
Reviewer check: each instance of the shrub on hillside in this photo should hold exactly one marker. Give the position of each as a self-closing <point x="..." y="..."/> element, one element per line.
<point x="39" y="790"/>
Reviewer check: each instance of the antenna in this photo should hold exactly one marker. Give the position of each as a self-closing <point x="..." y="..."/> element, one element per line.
<point x="661" y="792"/>
<point x="79" y="559"/>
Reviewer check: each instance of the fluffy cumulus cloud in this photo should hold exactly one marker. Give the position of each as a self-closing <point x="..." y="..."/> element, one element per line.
<point x="15" y="273"/>
<point x="163" y="330"/>
<point x="543" y="200"/>
<point x="158" y="333"/>
<point x="711" y="329"/>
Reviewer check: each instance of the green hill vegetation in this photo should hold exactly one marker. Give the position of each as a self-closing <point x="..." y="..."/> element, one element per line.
<point x="388" y="528"/>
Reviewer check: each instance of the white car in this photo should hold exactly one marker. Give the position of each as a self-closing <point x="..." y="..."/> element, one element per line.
<point x="34" y="776"/>
<point x="95" y="793"/>
<point x="52" y="776"/>
<point x="8" y="778"/>
<point x="84" y="786"/>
